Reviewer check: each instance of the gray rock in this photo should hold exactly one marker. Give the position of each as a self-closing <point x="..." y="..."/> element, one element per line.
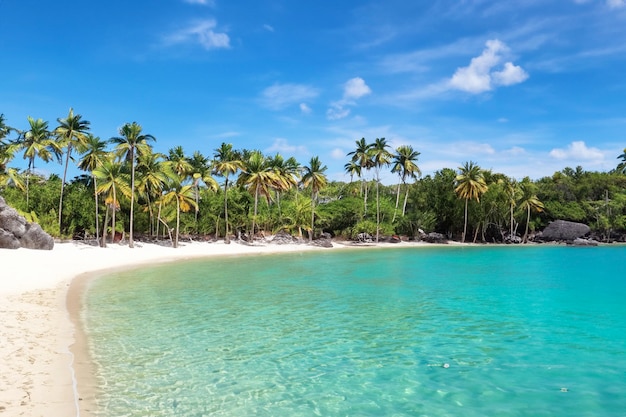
<point x="16" y="232"/>
<point x="283" y="238"/>
<point x="560" y="230"/>
<point x="584" y="242"/>
<point x="324" y="241"/>
<point x="434" y="237"/>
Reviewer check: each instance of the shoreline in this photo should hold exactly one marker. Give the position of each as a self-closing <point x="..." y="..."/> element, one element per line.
<point x="44" y="363"/>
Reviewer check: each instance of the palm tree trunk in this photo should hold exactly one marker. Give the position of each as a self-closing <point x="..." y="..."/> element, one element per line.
<point x="406" y="198"/>
<point x="132" y="197"/>
<point x="395" y="210"/>
<point x="177" y="222"/>
<point x="256" y="203"/>
<point x="226" y="236"/>
<point x="465" y="225"/>
<point x="67" y="161"/>
<point x="377" y="206"/>
<point x="104" y="226"/>
<point x="95" y="196"/>
<point x="527" y="221"/>
<point x="312" y="216"/>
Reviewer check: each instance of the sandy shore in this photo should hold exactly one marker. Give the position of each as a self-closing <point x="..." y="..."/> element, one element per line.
<point x="36" y="363"/>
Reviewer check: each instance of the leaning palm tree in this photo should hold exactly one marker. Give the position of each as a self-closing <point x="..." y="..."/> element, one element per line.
<point x="226" y="162"/>
<point x="404" y="163"/>
<point x="469" y="185"/>
<point x="314" y="176"/>
<point x="183" y="196"/>
<point x="201" y="172"/>
<point x="130" y="142"/>
<point x="94" y="153"/>
<point x="380" y="157"/>
<point x="529" y="201"/>
<point x="259" y="179"/>
<point x="361" y="157"/>
<point x="70" y="133"/>
<point x="37" y="142"/>
<point x="114" y="183"/>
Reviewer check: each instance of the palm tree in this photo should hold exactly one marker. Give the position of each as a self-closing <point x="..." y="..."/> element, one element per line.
<point x="114" y="182"/>
<point x="404" y="163"/>
<point x="469" y="185"/>
<point x="6" y="150"/>
<point x="154" y="171"/>
<point x="71" y="133"/>
<point x="130" y="142"/>
<point x="361" y="156"/>
<point x="183" y="196"/>
<point x="622" y="165"/>
<point x="201" y="172"/>
<point x="259" y="179"/>
<point x="37" y="142"/>
<point x="180" y="163"/>
<point x="226" y="162"/>
<point x="529" y="201"/>
<point x="288" y="171"/>
<point x="315" y="177"/>
<point x="380" y="157"/>
<point x="95" y="153"/>
<point x="512" y="193"/>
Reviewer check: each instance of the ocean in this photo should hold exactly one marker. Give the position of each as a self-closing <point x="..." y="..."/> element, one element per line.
<point x="426" y="331"/>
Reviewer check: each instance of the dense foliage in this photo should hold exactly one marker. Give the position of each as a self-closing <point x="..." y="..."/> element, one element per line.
<point x="130" y="187"/>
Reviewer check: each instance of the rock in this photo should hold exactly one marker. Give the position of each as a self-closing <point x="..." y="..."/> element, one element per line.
<point x="324" y="241"/>
<point x="584" y="242"/>
<point x="283" y="238"/>
<point x="364" y="238"/>
<point x="434" y="237"/>
<point x="16" y="232"/>
<point x="560" y="230"/>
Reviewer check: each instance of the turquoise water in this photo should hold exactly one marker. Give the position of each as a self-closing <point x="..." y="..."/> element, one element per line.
<point x="453" y="331"/>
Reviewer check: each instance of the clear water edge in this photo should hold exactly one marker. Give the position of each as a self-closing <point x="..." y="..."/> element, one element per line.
<point x="525" y="331"/>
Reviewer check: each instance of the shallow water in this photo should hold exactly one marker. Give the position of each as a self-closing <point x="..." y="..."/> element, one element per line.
<point x="471" y="331"/>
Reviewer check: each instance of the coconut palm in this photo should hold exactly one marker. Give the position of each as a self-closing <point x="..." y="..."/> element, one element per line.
<point x="380" y="157"/>
<point x="288" y="171"/>
<point x="153" y="172"/>
<point x="183" y="197"/>
<point x="622" y="165"/>
<point x="361" y="156"/>
<point x="94" y="153"/>
<point x="70" y="133"/>
<point x="259" y="179"/>
<point x="180" y="163"/>
<point x="469" y="185"/>
<point x="404" y="164"/>
<point x="114" y="183"/>
<point x="226" y="162"/>
<point x="37" y="142"/>
<point x="529" y="201"/>
<point x="130" y="142"/>
<point x="315" y="178"/>
<point x="201" y="172"/>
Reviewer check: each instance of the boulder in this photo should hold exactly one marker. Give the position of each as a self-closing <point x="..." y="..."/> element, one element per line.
<point x="283" y="238"/>
<point x="16" y="232"/>
<point x="434" y="237"/>
<point x="584" y="242"/>
<point x="561" y="230"/>
<point x="324" y="241"/>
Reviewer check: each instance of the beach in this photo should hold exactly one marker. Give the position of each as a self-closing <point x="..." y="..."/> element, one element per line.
<point x="37" y="373"/>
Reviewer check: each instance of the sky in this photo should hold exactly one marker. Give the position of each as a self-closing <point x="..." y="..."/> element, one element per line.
<point x="525" y="88"/>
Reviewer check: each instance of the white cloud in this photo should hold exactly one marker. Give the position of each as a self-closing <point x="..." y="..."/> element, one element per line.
<point x="201" y="32"/>
<point x="279" y="96"/>
<point x="269" y="28"/>
<point x="338" y="153"/>
<point x="283" y="146"/>
<point x="337" y="111"/>
<point x="201" y="2"/>
<point x="304" y="108"/>
<point x="615" y="4"/>
<point x="356" y="88"/>
<point x="353" y="89"/>
<point x="481" y="74"/>
<point x="577" y="150"/>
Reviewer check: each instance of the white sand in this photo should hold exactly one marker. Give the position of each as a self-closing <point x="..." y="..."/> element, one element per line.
<point x="36" y="372"/>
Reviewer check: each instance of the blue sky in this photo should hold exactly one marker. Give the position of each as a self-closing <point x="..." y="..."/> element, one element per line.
<point x="521" y="87"/>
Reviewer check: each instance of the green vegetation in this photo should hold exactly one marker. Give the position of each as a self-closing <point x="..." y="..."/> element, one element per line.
<point x="132" y="189"/>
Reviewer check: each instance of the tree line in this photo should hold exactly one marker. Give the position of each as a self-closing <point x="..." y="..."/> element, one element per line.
<point x="129" y="188"/>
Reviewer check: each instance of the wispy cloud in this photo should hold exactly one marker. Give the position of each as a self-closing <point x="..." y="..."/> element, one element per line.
<point x="353" y="89"/>
<point x="482" y="73"/>
<point x="202" y="33"/>
<point x="280" y="96"/>
<point x="615" y="4"/>
<point x="283" y="146"/>
<point x="269" y="28"/>
<point x="201" y="2"/>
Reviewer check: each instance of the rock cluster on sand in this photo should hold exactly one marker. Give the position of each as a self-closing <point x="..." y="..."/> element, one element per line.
<point x="16" y="232"/>
<point x="561" y="230"/>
